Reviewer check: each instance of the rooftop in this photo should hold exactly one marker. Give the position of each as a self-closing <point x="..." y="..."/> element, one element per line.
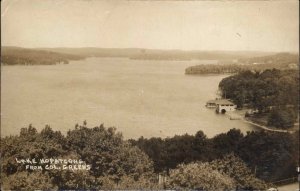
<point x="224" y="101"/>
<point x="221" y="101"/>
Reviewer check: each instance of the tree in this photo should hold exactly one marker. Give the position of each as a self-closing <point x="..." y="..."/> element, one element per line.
<point x="198" y="176"/>
<point x="274" y="155"/>
<point x="108" y="154"/>
<point x="226" y="143"/>
<point x="235" y="168"/>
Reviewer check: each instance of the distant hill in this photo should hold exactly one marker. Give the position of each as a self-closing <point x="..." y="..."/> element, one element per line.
<point x="152" y="54"/>
<point x="45" y="56"/>
<point x="26" y="56"/>
<point x="283" y="58"/>
<point x="282" y="61"/>
<point x="96" y="52"/>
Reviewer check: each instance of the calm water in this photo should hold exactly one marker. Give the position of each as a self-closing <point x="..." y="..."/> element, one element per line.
<point x="140" y="98"/>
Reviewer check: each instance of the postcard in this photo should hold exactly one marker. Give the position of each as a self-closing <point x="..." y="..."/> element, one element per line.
<point x="149" y="95"/>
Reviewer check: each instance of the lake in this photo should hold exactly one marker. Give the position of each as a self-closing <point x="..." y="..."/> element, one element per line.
<point x="138" y="97"/>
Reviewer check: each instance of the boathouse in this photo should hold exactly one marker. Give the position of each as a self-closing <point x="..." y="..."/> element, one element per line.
<point x="224" y="105"/>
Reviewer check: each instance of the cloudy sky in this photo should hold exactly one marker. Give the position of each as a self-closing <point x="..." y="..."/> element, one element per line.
<point x="186" y="25"/>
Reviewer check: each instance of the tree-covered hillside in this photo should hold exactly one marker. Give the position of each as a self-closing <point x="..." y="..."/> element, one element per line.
<point x="273" y="92"/>
<point x="262" y="89"/>
<point x="25" y="56"/>
<point x="282" y="61"/>
<point x="283" y="58"/>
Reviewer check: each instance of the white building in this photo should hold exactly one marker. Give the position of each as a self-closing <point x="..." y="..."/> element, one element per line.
<point x="224" y="105"/>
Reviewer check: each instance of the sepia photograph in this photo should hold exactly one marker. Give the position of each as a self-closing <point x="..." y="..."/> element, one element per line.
<point x="150" y="95"/>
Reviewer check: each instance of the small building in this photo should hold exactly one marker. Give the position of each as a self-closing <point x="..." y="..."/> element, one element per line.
<point x="224" y="105"/>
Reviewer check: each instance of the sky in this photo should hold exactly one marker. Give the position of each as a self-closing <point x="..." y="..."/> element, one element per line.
<point x="185" y="25"/>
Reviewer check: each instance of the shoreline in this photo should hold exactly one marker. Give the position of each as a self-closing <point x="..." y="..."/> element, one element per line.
<point x="263" y="127"/>
<point x="266" y="128"/>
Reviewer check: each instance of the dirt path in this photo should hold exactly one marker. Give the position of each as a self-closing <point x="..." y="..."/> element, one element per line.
<point x="266" y="128"/>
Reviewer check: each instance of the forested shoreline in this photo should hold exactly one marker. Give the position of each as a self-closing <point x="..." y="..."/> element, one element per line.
<point x="26" y="56"/>
<point x="253" y="160"/>
<point x="273" y="94"/>
<point x="281" y="61"/>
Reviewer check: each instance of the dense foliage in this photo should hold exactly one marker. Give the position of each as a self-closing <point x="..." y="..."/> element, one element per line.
<point x="235" y="168"/>
<point x="188" y="161"/>
<point x="282" y="117"/>
<point x="272" y="91"/>
<point x="230" y="159"/>
<point x="261" y="90"/>
<point x="227" y="173"/>
<point x="195" y="176"/>
<point x="114" y="162"/>
<point x="272" y="156"/>
<point x="24" y="56"/>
